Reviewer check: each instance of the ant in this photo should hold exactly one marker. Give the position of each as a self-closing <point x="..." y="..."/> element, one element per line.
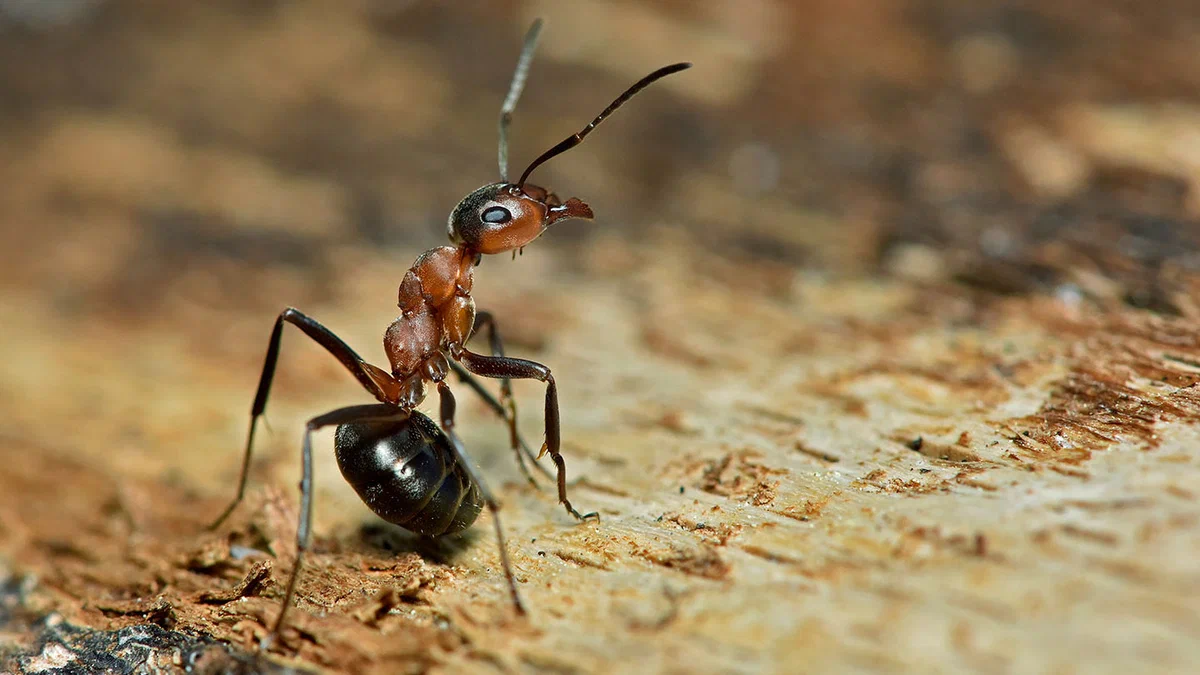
<point x="405" y="468"/>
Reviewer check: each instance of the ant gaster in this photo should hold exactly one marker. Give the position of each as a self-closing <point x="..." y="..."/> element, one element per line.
<point x="405" y="468"/>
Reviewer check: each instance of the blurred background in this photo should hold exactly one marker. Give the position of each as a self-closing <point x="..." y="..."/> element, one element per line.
<point x="156" y="156"/>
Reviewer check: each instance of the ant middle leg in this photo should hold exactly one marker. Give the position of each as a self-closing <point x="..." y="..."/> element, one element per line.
<point x="378" y="383"/>
<point x="354" y="413"/>
<point x="447" y="414"/>
<point x="508" y="367"/>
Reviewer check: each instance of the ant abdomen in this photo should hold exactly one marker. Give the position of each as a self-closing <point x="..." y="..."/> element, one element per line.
<point x="406" y="471"/>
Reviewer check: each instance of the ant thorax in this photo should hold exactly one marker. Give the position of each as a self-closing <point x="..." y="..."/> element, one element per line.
<point x="437" y="315"/>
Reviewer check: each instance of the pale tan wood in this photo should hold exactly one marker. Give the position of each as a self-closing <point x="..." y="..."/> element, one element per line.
<point x="761" y="509"/>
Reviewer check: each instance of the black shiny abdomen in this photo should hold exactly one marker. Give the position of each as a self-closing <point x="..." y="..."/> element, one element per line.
<point x="408" y="474"/>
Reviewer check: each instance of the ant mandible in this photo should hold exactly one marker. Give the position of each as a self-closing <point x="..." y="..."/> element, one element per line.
<point x="405" y="468"/>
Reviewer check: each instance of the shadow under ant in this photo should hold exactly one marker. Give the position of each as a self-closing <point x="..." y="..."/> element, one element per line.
<point x="387" y="540"/>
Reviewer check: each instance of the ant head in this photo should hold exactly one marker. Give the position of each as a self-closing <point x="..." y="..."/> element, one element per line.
<point x="504" y="217"/>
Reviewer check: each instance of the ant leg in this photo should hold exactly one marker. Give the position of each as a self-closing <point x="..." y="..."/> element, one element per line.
<point x="447" y="414"/>
<point x="504" y="366"/>
<point x="354" y="413"/>
<point x="485" y="319"/>
<point x="466" y="378"/>
<point x="377" y="382"/>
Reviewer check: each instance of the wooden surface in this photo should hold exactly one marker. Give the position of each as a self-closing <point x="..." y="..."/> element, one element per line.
<point x="853" y="389"/>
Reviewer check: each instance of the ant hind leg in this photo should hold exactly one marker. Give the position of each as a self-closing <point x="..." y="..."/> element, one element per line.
<point x="355" y="413"/>
<point x="377" y="382"/>
<point x="447" y="414"/>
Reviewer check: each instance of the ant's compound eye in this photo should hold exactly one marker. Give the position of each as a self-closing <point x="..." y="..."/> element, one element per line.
<point x="496" y="215"/>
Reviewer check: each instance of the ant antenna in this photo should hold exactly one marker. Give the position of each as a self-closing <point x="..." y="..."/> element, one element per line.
<point x="514" y="93"/>
<point x="575" y="139"/>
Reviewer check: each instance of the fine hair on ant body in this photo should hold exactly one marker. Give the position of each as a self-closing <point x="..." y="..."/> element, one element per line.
<point x="405" y="468"/>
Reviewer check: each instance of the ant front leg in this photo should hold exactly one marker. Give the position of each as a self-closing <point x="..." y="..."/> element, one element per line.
<point x="377" y="382"/>
<point x="354" y="413"/>
<point x="506" y="407"/>
<point x="492" y="402"/>
<point x="508" y="367"/>
<point x="447" y="413"/>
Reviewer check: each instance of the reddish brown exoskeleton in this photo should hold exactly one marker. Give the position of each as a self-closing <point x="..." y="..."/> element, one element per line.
<point x="406" y="469"/>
